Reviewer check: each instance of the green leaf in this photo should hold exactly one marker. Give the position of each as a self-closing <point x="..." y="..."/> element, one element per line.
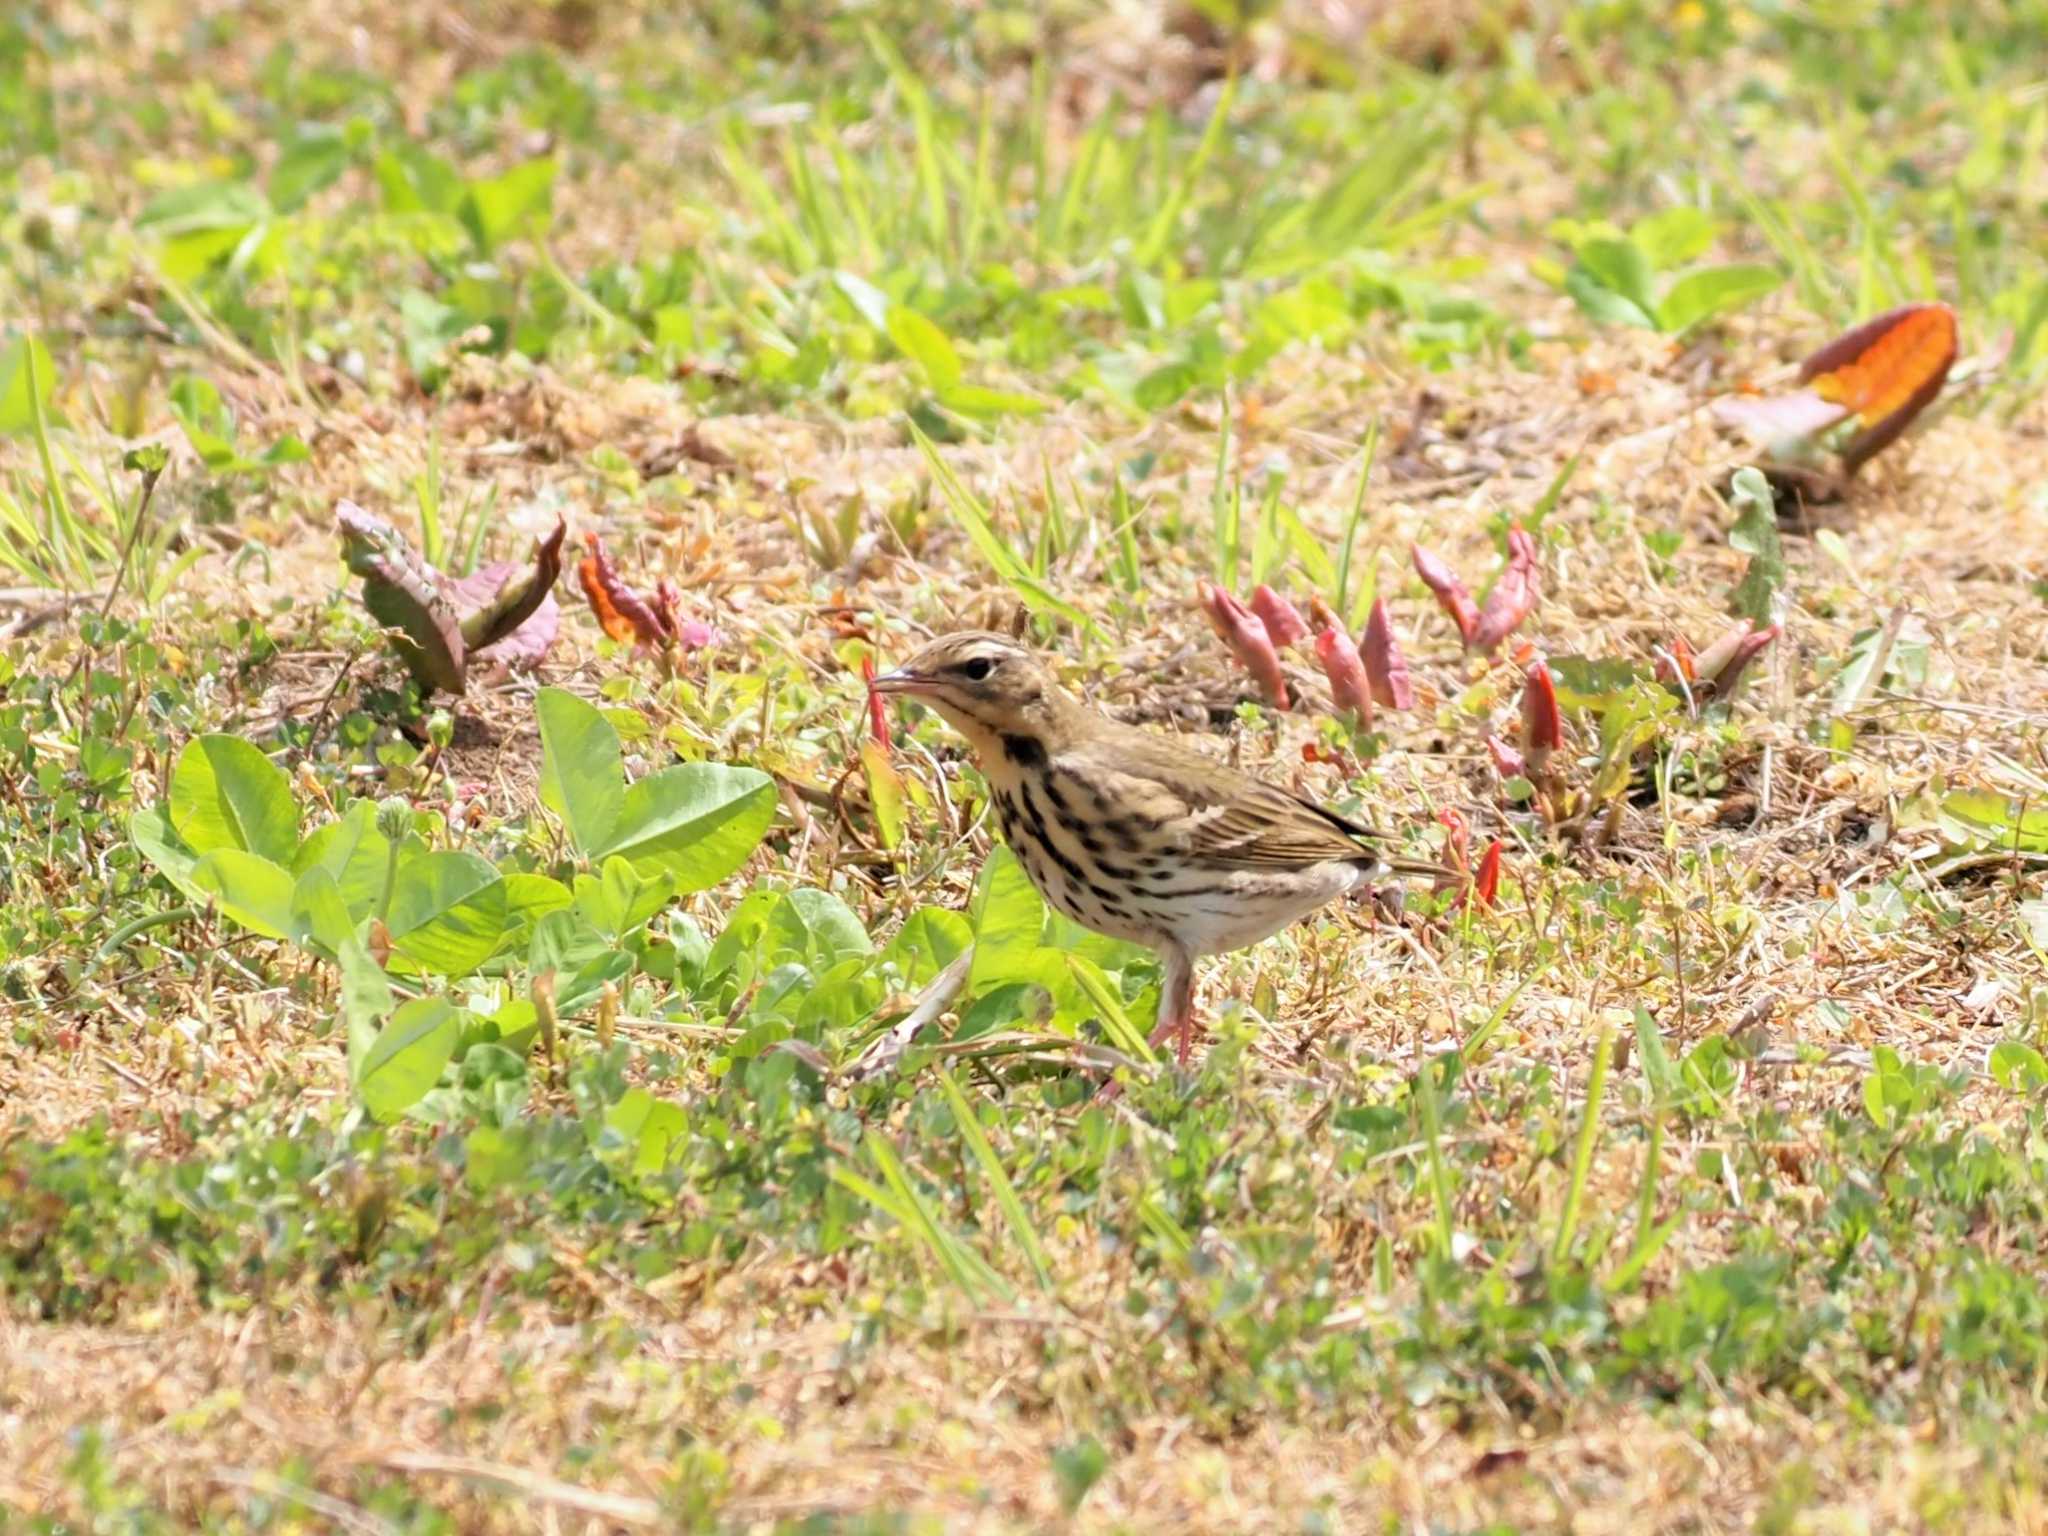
<point x="930" y="939"/>
<point x="353" y="853"/>
<point x="506" y="207"/>
<point x="582" y="777"/>
<point x="307" y="165"/>
<point x="1715" y="291"/>
<point x="320" y="917"/>
<point x="365" y="997"/>
<point x="885" y="792"/>
<point x="252" y="890"/>
<point x="413" y="180"/>
<point x="921" y="340"/>
<point x="1980" y="818"/>
<point x="2018" y="1067"/>
<point x="1008" y="916"/>
<point x="650" y="1126"/>
<point x="619" y="901"/>
<point x="447" y="912"/>
<point x="1671" y="238"/>
<point x="817" y="929"/>
<point x="1611" y="281"/>
<point x="408" y="1056"/>
<point x="27" y="380"/>
<point x="697" y="821"/>
<point x="978" y="401"/>
<point x="1756" y="534"/>
<point x="151" y="832"/>
<point x="226" y="794"/>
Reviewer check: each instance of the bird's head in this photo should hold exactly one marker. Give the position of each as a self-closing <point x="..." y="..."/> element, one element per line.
<point x="986" y="685"/>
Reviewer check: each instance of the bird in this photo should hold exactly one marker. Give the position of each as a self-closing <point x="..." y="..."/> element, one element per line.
<point x="1132" y="833"/>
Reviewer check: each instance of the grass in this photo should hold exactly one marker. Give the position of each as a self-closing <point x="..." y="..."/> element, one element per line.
<point x="1697" y="1185"/>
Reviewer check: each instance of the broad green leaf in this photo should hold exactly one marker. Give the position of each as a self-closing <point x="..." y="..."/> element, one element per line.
<point x="252" y="890"/>
<point x="1612" y="283"/>
<point x="506" y="207"/>
<point x="27" y="380"/>
<point x="619" y="900"/>
<point x="414" y="180"/>
<point x="307" y="165"/>
<point x="872" y="303"/>
<point x="365" y="998"/>
<point x="920" y="340"/>
<point x="1671" y="238"/>
<point x="697" y="821"/>
<point x="1705" y="295"/>
<point x="1008" y="916"/>
<point x="582" y="776"/>
<point x="448" y="912"/>
<point x="1980" y="818"/>
<point x="151" y="832"/>
<point x="408" y="1056"/>
<point x="226" y="794"/>
<point x="930" y="939"/>
<point x="353" y="853"/>
<point x="2019" y="1067"/>
<point x="816" y="928"/>
<point x="650" y="1126"/>
<point x="530" y="897"/>
<point x="320" y="916"/>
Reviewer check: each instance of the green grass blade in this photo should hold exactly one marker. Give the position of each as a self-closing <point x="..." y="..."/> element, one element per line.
<point x="1582" y="1157"/>
<point x="998" y="1180"/>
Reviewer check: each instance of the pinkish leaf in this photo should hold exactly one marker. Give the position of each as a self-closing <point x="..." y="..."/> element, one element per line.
<point x="1284" y="625"/>
<point x="1772" y="421"/>
<point x="1241" y="630"/>
<point x="1727" y="674"/>
<point x="1513" y="597"/>
<point x="1350" y="689"/>
<point x="1385" y="666"/>
<point x="1507" y="761"/>
<point x="1452" y="595"/>
<point x="490" y="614"/>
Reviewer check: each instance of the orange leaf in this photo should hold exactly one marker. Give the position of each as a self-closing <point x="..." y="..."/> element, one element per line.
<point x="1883" y="366"/>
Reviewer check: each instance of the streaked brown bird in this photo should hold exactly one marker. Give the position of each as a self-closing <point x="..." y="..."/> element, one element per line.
<point x="1131" y="833"/>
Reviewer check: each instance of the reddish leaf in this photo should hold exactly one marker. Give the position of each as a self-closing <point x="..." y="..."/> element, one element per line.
<point x="1507" y="761"/>
<point x="1248" y="641"/>
<point x="878" y="707"/>
<point x="1886" y="371"/>
<point x="1452" y="595"/>
<point x="1513" y="597"/>
<point x="1486" y="883"/>
<point x="493" y="611"/>
<point x="1385" y="667"/>
<point x="1350" y="689"/>
<point x="1722" y="664"/>
<point x="405" y="594"/>
<point x="1542" y="722"/>
<point x="529" y="643"/>
<point x="1458" y="847"/>
<point x="1284" y="625"/>
<point x="621" y="612"/>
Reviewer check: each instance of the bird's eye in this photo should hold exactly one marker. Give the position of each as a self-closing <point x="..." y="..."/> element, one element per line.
<point x="974" y="671"/>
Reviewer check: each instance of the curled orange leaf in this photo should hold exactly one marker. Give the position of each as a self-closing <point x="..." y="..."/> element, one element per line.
<point x="1885" y="372"/>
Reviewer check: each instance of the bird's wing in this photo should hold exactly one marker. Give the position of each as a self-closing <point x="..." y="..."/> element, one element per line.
<point x="1207" y="811"/>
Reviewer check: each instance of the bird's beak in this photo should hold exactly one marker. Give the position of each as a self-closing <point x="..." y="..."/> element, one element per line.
<point x="904" y="681"/>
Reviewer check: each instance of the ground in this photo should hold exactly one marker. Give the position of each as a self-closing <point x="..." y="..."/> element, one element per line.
<point x="1696" y="1183"/>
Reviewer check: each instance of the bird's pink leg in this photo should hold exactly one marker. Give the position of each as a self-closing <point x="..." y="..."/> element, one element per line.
<point x="1176" y="1002"/>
